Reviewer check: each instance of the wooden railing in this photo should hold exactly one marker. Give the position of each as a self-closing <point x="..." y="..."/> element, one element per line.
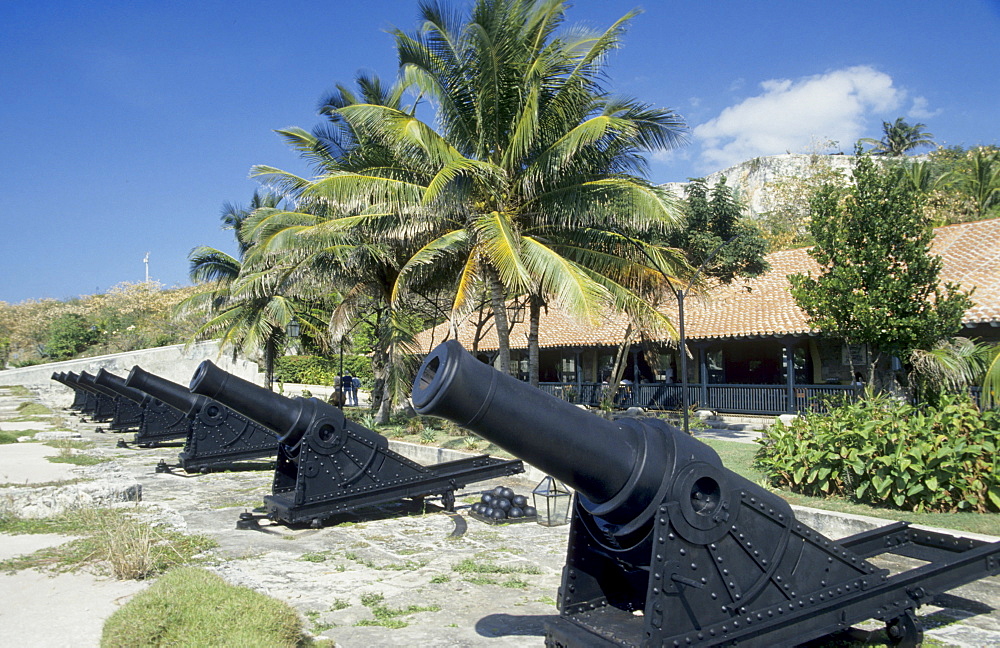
<point x="732" y="399"/>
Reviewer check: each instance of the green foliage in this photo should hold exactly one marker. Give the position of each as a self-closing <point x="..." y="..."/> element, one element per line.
<point x="898" y="138"/>
<point x="316" y="370"/>
<point x="194" y="607"/>
<point x="68" y="335"/>
<point x="878" y="283"/>
<point x="883" y="452"/>
<point x="714" y="234"/>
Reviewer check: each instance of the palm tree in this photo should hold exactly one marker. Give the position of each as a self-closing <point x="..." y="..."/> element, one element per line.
<point x="898" y="138"/>
<point x="348" y="240"/>
<point x="246" y="302"/>
<point x="531" y="150"/>
<point x="991" y="380"/>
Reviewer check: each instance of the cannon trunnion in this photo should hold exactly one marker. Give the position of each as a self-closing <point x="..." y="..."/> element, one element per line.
<point x="328" y="464"/>
<point x="669" y="548"/>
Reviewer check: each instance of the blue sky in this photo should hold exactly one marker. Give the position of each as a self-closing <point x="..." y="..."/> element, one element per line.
<point x="125" y="126"/>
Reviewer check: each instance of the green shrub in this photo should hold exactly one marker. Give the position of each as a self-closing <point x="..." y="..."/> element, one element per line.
<point x="316" y="370"/>
<point x="883" y="452"/>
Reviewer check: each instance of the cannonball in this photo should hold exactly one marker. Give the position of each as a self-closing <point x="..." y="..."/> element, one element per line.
<point x="475" y="507"/>
<point x="515" y="512"/>
<point x="530" y="511"/>
<point x="487" y="498"/>
<point x="503" y="504"/>
<point x="498" y="491"/>
<point x="498" y="514"/>
<point x="506" y="493"/>
<point x="519" y="501"/>
<point x="486" y="511"/>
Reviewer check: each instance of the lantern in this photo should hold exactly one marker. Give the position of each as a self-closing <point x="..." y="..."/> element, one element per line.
<point x="552" y="500"/>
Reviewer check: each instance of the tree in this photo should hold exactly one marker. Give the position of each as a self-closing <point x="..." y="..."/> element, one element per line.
<point x="68" y="335"/>
<point x="898" y="138"/>
<point x="531" y="158"/>
<point x="246" y="301"/>
<point x="878" y="283"/>
<point x="715" y="237"/>
<point x="536" y="165"/>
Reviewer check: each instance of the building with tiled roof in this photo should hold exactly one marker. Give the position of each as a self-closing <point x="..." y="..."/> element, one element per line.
<point x="746" y="332"/>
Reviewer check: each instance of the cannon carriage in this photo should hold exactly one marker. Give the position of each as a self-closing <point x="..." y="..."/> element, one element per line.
<point x="669" y="548"/>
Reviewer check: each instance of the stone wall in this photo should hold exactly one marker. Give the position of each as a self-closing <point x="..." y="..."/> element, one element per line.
<point x="176" y="363"/>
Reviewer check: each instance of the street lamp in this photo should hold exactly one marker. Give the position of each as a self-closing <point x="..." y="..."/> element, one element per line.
<point x="293" y="328"/>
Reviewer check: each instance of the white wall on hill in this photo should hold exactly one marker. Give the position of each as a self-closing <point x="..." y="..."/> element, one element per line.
<point x="754" y="178"/>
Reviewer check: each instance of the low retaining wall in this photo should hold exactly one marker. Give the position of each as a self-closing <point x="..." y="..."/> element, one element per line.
<point x="430" y="455"/>
<point x="176" y="363"/>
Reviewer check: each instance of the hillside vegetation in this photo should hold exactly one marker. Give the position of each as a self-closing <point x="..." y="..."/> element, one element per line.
<point x="128" y="317"/>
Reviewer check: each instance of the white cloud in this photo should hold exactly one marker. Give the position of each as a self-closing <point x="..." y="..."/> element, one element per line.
<point x="919" y="109"/>
<point x="789" y="115"/>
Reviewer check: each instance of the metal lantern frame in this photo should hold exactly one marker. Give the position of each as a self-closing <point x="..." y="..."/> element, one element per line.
<point x="552" y="501"/>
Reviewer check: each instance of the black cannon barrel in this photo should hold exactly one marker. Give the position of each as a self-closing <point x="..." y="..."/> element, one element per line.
<point x="289" y="417"/>
<point x="161" y="389"/>
<point x="117" y="384"/>
<point x="598" y="458"/>
<point x="90" y="381"/>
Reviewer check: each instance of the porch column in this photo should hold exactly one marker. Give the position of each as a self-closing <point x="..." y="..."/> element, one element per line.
<point x="789" y="376"/>
<point x="703" y="375"/>
<point x="579" y="370"/>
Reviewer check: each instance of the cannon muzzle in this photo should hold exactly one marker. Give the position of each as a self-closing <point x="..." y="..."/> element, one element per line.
<point x="161" y="389"/>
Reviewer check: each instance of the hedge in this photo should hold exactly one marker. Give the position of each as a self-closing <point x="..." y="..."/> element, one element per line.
<point x="316" y="370"/>
<point x="887" y="453"/>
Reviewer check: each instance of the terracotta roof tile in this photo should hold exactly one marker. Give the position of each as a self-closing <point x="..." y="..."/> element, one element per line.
<point x="763" y="306"/>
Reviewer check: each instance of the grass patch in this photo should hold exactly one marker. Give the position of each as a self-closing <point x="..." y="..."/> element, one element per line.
<point x="738" y="457"/>
<point x="387" y="617"/>
<point x="129" y="547"/>
<point x="441" y="578"/>
<point x="470" y="566"/>
<point x="70" y="453"/>
<point x="28" y="408"/>
<point x="12" y="437"/>
<point x="190" y="606"/>
<point x="19" y="391"/>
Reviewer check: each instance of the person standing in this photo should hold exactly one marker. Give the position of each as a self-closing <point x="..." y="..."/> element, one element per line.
<point x="355" y="388"/>
<point x="347" y="386"/>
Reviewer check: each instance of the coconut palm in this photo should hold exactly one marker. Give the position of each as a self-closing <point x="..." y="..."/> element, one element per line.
<point x="530" y="149"/>
<point x="991" y="380"/>
<point x="899" y="137"/>
<point x="349" y="240"/>
<point x="246" y="302"/>
<point x="952" y="365"/>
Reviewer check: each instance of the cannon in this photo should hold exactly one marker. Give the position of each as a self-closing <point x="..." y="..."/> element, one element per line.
<point x="102" y="406"/>
<point x="79" y="393"/>
<point x="328" y="464"/>
<point x="160" y="421"/>
<point x="669" y="548"/>
<point x="128" y="403"/>
<point x="215" y="435"/>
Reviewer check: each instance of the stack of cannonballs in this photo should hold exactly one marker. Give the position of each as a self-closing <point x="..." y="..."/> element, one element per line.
<point x="502" y="505"/>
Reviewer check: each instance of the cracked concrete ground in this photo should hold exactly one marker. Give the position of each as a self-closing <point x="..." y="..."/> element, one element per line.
<point x="455" y="581"/>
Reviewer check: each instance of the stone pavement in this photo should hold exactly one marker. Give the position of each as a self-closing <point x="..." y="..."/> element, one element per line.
<point x="465" y="583"/>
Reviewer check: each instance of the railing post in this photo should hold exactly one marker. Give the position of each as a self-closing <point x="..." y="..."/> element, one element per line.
<point x="703" y="375"/>
<point x="789" y="377"/>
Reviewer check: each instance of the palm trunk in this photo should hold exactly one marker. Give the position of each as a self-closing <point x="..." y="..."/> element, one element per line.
<point x="534" y="315"/>
<point x="269" y="353"/>
<point x="500" y="321"/>
<point x="621" y="359"/>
